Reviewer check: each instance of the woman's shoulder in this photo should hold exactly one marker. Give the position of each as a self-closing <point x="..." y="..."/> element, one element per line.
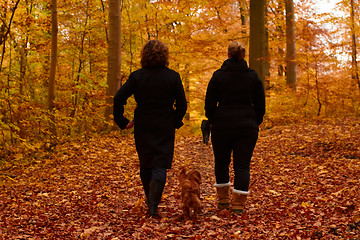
<point x="136" y="72"/>
<point x="171" y="71"/>
<point x="171" y="74"/>
<point x="157" y="68"/>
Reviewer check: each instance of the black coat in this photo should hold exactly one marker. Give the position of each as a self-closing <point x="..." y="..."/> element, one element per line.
<point x="161" y="106"/>
<point x="235" y="97"/>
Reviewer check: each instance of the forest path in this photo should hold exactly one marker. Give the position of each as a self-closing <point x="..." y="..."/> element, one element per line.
<point x="305" y="184"/>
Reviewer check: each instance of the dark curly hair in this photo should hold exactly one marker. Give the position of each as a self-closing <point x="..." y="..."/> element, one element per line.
<point x="154" y="54"/>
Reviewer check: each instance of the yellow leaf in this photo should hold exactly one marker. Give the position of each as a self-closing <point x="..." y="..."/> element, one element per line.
<point x="215" y="218"/>
<point x="305" y="204"/>
<point x="323" y="172"/>
<point x="274" y="193"/>
<point x="18" y="156"/>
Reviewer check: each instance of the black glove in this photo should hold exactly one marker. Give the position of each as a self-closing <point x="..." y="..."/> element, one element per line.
<point x="205" y="129"/>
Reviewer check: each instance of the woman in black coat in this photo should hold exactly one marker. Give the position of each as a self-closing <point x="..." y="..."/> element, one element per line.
<point x="235" y="106"/>
<point x="161" y="106"/>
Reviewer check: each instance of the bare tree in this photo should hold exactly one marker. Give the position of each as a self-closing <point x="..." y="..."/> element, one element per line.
<point x="114" y="54"/>
<point x="257" y="37"/>
<point x="355" y="73"/>
<point x="4" y="32"/>
<point x="53" y="60"/>
<point x="267" y="48"/>
<point x="290" y="45"/>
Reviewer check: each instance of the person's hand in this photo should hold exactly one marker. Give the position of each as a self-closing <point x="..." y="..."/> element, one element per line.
<point x="130" y="125"/>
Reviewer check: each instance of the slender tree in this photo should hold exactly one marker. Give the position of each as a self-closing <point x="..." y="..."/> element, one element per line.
<point x="114" y="53"/>
<point x="4" y="34"/>
<point x="257" y="37"/>
<point x="267" y="47"/>
<point x="53" y="60"/>
<point x="355" y="73"/>
<point x="186" y="80"/>
<point x="290" y="45"/>
<point x="103" y="10"/>
<point x="81" y="56"/>
<point x="243" y="15"/>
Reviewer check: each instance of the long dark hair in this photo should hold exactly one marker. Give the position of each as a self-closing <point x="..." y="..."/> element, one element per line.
<point x="154" y="54"/>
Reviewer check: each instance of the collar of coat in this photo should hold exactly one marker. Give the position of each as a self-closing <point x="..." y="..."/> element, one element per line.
<point x="231" y="64"/>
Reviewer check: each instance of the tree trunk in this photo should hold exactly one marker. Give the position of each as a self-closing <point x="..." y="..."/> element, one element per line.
<point x="23" y="62"/>
<point x="267" y="49"/>
<point x="114" y="54"/>
<point x="53" y="60"/>
<point x="186" y="80"/>
<point x="280" y="34"/>
<point x="24" y="53"/>
<point x="243" y="15"/>
<point x="106" y="30"/>
<point x="290" y="45"/>
<point x="4" y="34"/>
<point x="317" y="90"/>
<point x="257" y="37"/>
<point x="9" y="102"/>
<point x="81" y="62"/>
<point x="355" y="73"/>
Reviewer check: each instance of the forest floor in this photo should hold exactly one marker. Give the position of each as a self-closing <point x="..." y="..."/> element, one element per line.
<point x="305" y="184"/>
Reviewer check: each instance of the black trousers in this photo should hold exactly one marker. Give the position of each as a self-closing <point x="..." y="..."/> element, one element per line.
<point x="239" y="142"/>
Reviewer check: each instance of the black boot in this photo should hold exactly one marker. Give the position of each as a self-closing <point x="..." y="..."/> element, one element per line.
<point x="205" y="129"/>
<point x="146" y="191"/>
<point x="145" y="179"/>
<point x="155" y="193"/>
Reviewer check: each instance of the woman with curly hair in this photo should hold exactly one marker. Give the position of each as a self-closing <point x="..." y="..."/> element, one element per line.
<point x="161" y="106"/>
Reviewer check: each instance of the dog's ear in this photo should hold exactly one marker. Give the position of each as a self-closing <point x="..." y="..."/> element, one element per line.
<point x="195" y="174"/>
<point x="182" y="174"/>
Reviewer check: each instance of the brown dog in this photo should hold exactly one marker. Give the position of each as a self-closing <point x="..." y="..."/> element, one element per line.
<point x="190" y="192"/>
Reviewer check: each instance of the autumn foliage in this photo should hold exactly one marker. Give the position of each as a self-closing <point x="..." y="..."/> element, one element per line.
<point x="84" y="182"/>
<point x="197" y="33"/>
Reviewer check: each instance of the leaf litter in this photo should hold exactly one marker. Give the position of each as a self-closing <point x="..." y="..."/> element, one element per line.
<point x="304" y="185"/>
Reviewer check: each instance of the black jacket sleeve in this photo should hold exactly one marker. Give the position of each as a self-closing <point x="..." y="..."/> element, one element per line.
<point x="120" y="99"/>
<point x="180" y="103"/>
<point x="211" y="100"/>
<point x="259" y="101"/>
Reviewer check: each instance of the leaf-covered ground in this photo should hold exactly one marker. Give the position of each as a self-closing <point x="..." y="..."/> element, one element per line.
<point x="305" y="185"/>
